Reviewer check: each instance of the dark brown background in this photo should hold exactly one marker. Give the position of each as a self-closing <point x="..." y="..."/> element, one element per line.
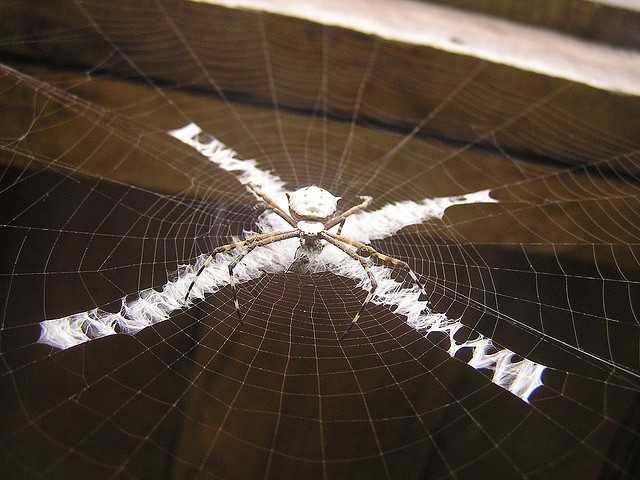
<point x="97" y="203"/>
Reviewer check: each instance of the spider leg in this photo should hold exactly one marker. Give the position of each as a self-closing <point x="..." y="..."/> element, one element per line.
<point x="273" y="237"/>
<point x="226" y="248"/>
<point x="372" y="279"/>
<point x="271" y="205"/>
<point x="341" y="218"/>
<point x="371" y="251"/>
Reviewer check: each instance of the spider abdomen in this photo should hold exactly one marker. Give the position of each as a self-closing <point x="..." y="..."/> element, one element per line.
<point x="312" y="203"/>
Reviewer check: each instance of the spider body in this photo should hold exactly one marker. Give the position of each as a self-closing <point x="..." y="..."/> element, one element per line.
<point x="312" y="213"/>
<point x="311" y="207"/>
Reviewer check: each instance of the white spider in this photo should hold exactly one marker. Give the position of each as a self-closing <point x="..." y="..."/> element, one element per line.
<point x="312" y="215"/>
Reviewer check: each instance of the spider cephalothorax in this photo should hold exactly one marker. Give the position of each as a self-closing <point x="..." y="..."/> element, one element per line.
<point x="312" y="213"/>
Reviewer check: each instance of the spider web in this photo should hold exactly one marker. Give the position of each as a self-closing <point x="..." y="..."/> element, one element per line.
<point x="125" y="161"/>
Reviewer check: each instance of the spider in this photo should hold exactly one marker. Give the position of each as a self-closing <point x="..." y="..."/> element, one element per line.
<point x="312" y="213"/>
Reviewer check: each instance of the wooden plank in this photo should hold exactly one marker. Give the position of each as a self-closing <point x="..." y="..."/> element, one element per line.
<point x="613" y="22"/>
<point x="403" y="63"/>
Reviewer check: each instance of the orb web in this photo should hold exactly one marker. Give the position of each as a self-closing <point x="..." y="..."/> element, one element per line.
<point x="125" y="162"/>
